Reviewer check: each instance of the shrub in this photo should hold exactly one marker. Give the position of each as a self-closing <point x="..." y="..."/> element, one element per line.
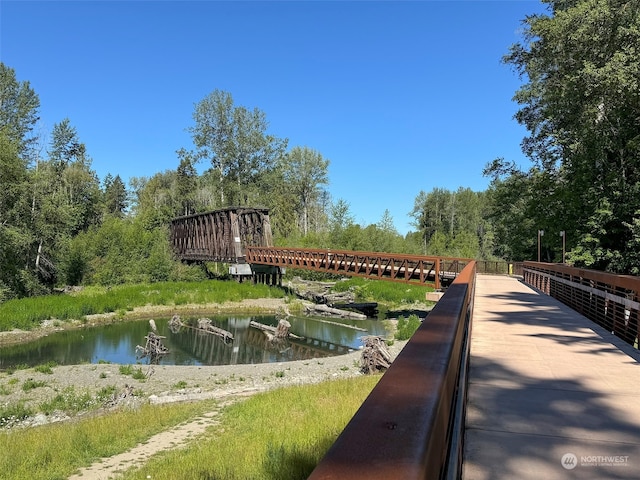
<point x="407" y="327"/>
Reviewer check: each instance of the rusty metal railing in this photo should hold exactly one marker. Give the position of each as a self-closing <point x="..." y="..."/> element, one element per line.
<point x="611" y="301"/>
<point x="434" y="271"/>
<point x="411" y="425"/>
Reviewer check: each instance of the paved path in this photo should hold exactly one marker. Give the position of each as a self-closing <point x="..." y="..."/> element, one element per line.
<point x="546" y="384"/>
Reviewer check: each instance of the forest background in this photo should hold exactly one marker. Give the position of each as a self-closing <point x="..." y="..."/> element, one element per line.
<point x="579" y="100"/>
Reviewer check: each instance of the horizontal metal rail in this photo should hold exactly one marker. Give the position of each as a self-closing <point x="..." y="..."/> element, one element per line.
<point x="410" y="426"/>
<point x="389" y="266"/>
<point x="611" y="301"/>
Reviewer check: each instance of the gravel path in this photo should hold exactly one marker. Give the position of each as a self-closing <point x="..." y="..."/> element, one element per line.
<point x="227" y="383"/>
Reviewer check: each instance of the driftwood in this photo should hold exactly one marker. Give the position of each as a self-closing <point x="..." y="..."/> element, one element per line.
<point x="203" y="325"/>
<point x="282" y="330"/>
<point x="175" y="324"/>
<point x="344" y="325"/>
<point x="154" y="348"/>
<point x="273" y="331"/>
<point x="375" y="355"/>
<point x="324" y="310"/>
<point x="119" y="398"/>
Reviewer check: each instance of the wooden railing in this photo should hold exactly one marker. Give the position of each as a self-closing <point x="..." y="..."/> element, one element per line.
<point x="411" y="425"/>
<point x="611" y="301"/>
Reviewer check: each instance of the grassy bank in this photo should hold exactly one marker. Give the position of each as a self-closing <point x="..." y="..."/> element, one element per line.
<point x="392" y="294"/>
<point x="57" y="450"/>
<point x="279" y="434"/>
<point x="28" y="313"/>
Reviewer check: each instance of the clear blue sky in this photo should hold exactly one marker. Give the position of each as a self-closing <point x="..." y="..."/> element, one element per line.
<point x="399" y="96"/>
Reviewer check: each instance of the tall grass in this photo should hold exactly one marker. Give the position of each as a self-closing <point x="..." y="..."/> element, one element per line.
<point x="26" y="313"/>
<point x="57" y="450"/>
<point x="395" y="293"/>
<point x="275" y="435"/>
<point x="281" y="434"/>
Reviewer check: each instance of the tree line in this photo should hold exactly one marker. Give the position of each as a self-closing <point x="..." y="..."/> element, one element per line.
<point x="60" y="224"/>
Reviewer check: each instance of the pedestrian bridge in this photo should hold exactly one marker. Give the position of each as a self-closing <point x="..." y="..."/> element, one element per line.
<point x="504" y="381"/>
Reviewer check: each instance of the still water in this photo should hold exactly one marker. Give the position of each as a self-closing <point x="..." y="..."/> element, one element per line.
<point x="116" y="343"/>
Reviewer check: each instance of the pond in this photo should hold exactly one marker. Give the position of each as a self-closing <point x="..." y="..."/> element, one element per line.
<point x="116" y="342"/>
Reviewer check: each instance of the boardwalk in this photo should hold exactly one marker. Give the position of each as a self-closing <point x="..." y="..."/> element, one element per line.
<point x="546" y="384"/>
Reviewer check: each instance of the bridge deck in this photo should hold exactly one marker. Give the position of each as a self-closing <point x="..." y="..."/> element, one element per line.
<point x="544" y="382"/>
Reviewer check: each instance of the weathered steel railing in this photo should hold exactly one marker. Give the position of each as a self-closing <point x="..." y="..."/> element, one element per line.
<point x="389" y="266"/>
<point x="611" y="301"/>
<point x="411" y="425"/>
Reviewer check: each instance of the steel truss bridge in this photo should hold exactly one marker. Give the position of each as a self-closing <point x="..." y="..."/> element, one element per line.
<point x="241" y="237"/>
<point x="433" y="271"/>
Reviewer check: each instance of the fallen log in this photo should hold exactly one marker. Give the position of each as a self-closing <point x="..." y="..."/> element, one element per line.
<point x="353" y="327"/>
<point x="273" y="330"/>
<point x="203" y="325"/>
<point x="375" y="355"/>
<point x="326" y="311"/>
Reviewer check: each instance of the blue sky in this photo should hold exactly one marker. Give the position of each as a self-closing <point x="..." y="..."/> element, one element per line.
<point x="399" y="96"/>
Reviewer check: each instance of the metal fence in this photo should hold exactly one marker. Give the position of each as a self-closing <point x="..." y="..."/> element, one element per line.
<point x="611" y="301"/>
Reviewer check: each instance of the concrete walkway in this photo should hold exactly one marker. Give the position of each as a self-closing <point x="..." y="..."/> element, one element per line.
<point x="551" y="394"/>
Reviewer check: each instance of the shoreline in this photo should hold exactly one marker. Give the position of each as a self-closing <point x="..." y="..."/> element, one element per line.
<point x="161" y="383"/>
<point x="250" y="306"/>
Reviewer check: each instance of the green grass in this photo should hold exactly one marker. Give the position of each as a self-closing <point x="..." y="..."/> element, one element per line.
<point x="135" y="373"/>
<point x="46" y="368"/>
<point x="278" y="434"/>
<point x="27" y="313"/>
<point x="30" y="384"/>
<point x="55" y="451"/>
<point x="407" y="327"/>
<point x="393" y="293"/>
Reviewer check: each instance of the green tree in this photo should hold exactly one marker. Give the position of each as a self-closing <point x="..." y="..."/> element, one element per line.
<point x="340" y="221"/>
<point x="14" y="212"/>
<point x="235" y="141"/>
<point x="454" y="223"/>
<point x="580" y="106"/>
<point x="304" y="170"/>
<point x="115" y="196"/>
<point x="155" y="199"/>
<point x="186" y="182"/>
<point x="19" y="106"/>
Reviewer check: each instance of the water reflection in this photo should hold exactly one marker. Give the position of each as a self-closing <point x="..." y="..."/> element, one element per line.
<point x="117" y="343"/>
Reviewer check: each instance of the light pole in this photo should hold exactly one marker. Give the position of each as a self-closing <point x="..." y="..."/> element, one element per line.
<point x="563" y="235"/>
<point x="540" y="234"/>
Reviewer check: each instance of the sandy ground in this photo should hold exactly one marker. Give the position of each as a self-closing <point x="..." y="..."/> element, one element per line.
<point x="162" y="384"/>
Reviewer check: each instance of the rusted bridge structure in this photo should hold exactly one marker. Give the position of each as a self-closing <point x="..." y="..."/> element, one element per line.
<point x="511" y="377"/>
<point x="242" y="238"/>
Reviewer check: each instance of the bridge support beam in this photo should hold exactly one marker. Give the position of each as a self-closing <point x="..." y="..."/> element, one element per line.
<point x="267" y="274"/>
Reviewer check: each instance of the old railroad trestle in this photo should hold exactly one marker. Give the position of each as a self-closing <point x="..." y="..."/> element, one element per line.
<point x="241" y="237"/>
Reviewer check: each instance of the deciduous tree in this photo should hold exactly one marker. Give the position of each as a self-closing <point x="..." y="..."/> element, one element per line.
<point x="581" y="104"/>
